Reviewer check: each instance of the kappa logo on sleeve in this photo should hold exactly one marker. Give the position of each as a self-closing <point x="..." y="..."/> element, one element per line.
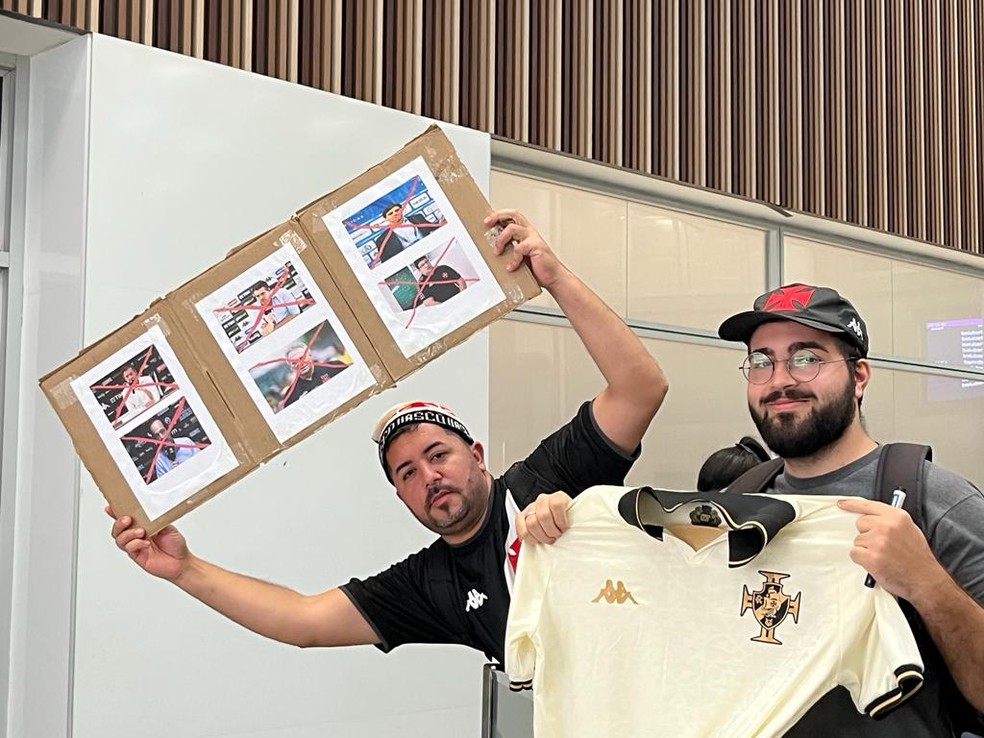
<point x="615" y="595"/>
<point x="770" y="606"/>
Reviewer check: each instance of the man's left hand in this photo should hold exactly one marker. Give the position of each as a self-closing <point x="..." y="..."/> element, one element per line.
<point x="892" y="548"/>
<point x="526" y="243"/>
<point x="544" y="519"/>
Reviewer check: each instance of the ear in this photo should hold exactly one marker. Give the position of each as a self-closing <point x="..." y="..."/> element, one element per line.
<point x="862" y="375"/>
<point x="478" y="453"/>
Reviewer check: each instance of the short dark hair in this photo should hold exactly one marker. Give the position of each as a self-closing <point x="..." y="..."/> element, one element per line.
<point x="390" y="205"/>
<point x="727" y="464"/>
<point x="261" y="285"/>
<point x="407" y="429"/>
<point x="416" y="262"/>
<point x="850" y="352"/>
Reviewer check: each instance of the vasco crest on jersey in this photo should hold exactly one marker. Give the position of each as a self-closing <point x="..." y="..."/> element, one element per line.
<point x="705" y="515"/>
<point x="770" y="606"/>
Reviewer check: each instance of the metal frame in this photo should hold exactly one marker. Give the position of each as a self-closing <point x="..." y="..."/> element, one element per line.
<point x="13" y="112"/>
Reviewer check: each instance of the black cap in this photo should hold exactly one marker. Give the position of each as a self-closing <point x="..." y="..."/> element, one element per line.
<point x="817" y="307"/>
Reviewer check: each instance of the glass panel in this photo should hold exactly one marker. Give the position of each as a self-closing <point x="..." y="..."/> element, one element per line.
<point x="690" y="270"/>
<point x="905" y="406"/>
<point x="585" y="229"/>
<point x="540" y="375"/>
<point x="912" y="311"/>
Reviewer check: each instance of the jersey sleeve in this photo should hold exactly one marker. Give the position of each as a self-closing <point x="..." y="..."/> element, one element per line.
<point x="532" y="578"/>
<point x="403" y="603"/>
<point x="571" y="459"/>
<point x="880" y="662"/>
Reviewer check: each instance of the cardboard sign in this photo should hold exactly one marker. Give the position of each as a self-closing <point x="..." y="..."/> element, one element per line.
<point x="290" y="331"/>
<point x="407" y="246"/>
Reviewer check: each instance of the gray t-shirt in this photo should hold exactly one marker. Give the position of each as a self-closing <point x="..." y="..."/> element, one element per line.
<point x="954" y="508"/>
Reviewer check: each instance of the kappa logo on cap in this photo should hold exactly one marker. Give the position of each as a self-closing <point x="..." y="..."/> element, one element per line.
<point x="796" y="297"/>
<point x="855" y="326"/>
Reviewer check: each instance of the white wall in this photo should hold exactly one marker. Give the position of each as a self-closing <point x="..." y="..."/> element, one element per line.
<point x="187" y="159"/>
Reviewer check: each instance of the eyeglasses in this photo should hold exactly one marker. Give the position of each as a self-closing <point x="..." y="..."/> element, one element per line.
<point x="803" y="366"/>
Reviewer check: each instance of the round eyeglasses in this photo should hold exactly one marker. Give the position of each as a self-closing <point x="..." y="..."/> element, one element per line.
<point x="802" y="366"/>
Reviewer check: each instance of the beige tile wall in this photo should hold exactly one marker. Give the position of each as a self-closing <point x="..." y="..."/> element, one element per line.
<point x="658" y="265"/>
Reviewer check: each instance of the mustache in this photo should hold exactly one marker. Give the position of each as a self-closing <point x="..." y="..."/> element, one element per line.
<point x="437" y="489"/>
<point x="788" y="394"/>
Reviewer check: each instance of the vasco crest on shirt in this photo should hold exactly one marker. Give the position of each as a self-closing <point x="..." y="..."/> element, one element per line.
<point x="770" y="606"/>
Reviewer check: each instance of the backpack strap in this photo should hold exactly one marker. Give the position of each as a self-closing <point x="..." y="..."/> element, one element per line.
<point x="902" y="465"/>
<point x="756" y="479"/>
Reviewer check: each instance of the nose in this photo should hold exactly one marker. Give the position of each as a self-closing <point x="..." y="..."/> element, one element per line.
<point x="781" y="376"/>
<point x="430" y="473"/>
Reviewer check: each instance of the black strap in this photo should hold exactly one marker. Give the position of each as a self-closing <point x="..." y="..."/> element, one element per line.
<point x="901" y="465"/>
<point x="757" y="479"/>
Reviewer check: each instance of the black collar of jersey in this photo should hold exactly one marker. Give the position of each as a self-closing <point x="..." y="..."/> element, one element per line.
<point x="754" y="519"/>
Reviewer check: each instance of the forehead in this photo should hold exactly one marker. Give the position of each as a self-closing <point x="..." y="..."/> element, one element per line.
<point x="413" y="442"/>
<point x="780" y="335"/>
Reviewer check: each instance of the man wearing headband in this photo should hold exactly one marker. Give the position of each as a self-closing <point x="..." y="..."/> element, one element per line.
<point x="807" y="370"/>
<point x="456" y="590"/>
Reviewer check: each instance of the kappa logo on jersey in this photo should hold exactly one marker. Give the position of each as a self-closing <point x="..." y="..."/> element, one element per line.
<point x="615" y="595"/>
<point x="705" y="515"/>
<point x="770" y="606"/>
<point x="475" y="600"/>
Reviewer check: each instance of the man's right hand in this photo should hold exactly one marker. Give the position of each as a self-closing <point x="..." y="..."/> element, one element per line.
<point x="164" y="554"/>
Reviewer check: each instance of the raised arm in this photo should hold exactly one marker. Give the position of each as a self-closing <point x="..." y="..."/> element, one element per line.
<point x="635" y="384"/>
<point x="325" y="619"/>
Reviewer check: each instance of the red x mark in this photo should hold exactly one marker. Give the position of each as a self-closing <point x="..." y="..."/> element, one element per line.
<point x="427" y="281"/>
<point x="299" y="364"/>
<point x="136" y="385"/>
<point x="263" y="305"/>
<point x="162" y="442"/>
<point x="390" y="227"/>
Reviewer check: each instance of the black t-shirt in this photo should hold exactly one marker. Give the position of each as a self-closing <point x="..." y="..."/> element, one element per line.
<point x="319" y="375"/>
<point x="441" y="285"/>
<point x="460" y="594"/>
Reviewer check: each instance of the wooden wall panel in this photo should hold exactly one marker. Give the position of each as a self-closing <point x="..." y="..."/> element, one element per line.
<point x="866" y="112"/>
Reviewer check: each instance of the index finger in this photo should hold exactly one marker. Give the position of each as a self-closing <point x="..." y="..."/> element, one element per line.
<point x="503" y="216"/>
<point x="864" y="507"/>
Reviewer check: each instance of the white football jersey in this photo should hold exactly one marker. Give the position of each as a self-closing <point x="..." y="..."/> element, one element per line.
<point x="623" y="629"/>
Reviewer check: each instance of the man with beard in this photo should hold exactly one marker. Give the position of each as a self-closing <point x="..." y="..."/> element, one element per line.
<point x="807" y="371"/>
<point x="457" y="589"/>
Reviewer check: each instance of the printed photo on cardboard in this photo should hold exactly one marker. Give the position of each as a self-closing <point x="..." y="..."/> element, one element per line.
<point x="449" y="247"/>
<point x="292" y="361"/>
<point x="168" y="451"/>
<point x="394" y="222"/>
<point x="169" y="439"/>
<point x="431" y="279"/>
<point x="134" y="387"/>
<point x="254" y="311"/>
<point x="303" y="367"/>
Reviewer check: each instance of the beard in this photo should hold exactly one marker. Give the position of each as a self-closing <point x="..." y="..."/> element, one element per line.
<point x="795" y="439"/>
<point x="455" y="514"/>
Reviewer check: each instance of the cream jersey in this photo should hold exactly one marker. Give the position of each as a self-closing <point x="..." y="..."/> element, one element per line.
<point x="623" y="629"/>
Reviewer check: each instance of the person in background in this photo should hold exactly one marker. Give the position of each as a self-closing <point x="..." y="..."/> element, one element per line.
<point x="727" y="464"/>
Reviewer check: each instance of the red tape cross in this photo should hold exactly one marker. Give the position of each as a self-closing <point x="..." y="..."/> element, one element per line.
<point x="130" y="387"/>
<point x="427" y="281"/>
<point x="300" y="363"/>
<point x="390" y="227"/>
<point x="161" y="443"/>
<point x="264" y="305"/>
